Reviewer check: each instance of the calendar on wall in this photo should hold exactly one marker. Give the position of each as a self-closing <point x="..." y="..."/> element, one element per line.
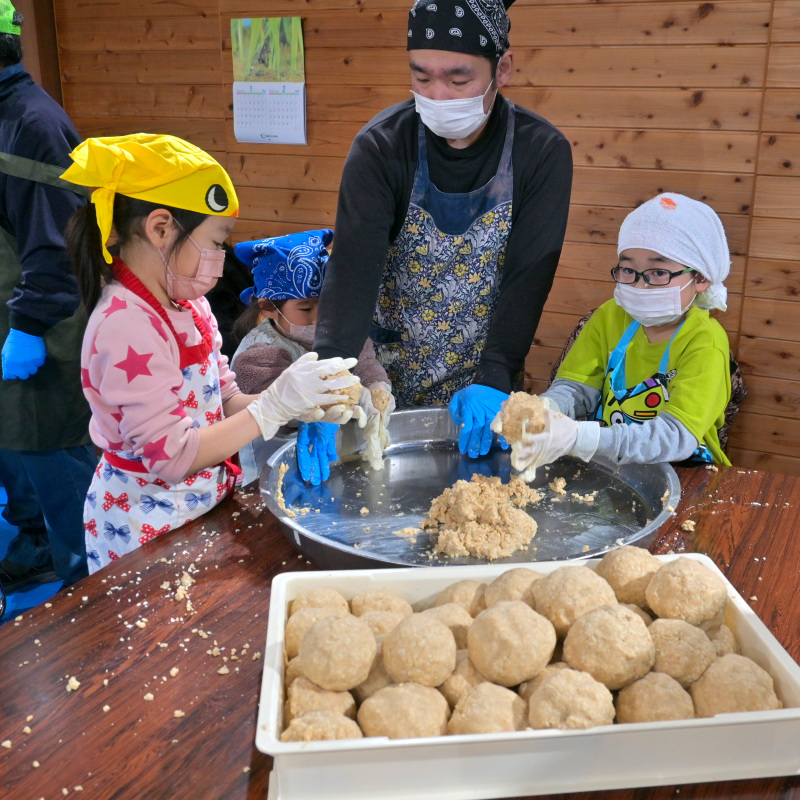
<point x="269" y="90"/>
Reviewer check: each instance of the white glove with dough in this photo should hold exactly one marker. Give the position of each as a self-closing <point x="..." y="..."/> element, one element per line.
<point x="376" y="424"/>
<point x="300" y="390"/>
<point x="561" y="436"/>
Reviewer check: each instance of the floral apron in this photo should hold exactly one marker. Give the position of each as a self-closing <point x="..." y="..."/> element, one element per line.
<point x="441" y="281"/>
<point x="642" y="402"/>
<point x="127" y="505"/>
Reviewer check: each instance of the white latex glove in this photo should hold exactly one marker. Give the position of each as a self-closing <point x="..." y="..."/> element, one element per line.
<point x="376" y="426"/>
<point x="561" y="436"/>
<point x="497" y="422"/>
<point x="299" y="391"/>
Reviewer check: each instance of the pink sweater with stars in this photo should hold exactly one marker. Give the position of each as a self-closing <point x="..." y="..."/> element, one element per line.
<point x="130" y="368"/>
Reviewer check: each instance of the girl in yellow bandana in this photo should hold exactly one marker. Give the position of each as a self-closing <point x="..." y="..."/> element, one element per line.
<point x="166" y="410"/>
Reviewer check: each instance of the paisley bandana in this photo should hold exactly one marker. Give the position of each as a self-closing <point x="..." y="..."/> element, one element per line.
<point x="287" y="267"/>
<point x="477" y="27"/>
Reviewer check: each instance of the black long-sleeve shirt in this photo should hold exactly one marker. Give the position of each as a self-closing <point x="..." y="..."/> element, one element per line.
<point x="373" y="200"/>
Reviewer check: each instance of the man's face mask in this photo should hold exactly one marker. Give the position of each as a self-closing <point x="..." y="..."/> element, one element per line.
<point x="453" y="119"/>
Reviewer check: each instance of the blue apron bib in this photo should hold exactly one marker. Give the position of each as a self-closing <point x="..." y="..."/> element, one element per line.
<point x="441" y="281"/>
<point x="644" y="401"/>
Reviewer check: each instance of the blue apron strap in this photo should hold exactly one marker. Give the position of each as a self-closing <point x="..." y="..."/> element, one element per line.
<point x="616" y="361"/>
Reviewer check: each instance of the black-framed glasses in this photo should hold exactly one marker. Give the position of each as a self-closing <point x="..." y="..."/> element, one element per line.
<point x="652" y="277"/>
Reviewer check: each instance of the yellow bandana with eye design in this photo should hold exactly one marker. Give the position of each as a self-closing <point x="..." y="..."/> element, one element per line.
<point x="153" y="167"/>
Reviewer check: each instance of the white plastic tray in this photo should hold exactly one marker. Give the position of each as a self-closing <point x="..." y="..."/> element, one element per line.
<point x="479" y="767"/>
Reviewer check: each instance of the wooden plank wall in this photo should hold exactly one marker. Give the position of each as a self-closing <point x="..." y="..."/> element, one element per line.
<point x="695" y="97"/>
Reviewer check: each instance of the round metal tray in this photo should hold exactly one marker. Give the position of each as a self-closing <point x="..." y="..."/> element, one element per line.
<point x="350" y="520"/>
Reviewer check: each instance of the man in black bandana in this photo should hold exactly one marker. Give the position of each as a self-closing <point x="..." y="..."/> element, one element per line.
<point x="451" y="218"/>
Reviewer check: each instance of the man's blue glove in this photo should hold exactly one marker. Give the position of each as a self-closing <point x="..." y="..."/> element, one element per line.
<point x="23" y="354"/>
<point x="473" y="409"/>
<point x="316" y="449"/>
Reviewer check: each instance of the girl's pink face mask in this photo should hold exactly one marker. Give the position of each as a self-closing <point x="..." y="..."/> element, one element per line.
<point x="209" y="271"/>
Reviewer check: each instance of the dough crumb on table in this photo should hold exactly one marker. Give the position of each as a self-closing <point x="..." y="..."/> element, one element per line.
<point x="689" y="525"/>
<point x="558" y="485"/>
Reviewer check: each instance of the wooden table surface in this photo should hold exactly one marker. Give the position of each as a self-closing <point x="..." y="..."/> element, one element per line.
<point x="122" y="633"/>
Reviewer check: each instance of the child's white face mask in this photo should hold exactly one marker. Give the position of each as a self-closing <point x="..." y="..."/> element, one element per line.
<point x="453" y="119"/>
<point x="651" y="307"/>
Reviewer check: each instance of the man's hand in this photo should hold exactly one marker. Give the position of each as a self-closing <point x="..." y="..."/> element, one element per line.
<point x="23" y="354"/>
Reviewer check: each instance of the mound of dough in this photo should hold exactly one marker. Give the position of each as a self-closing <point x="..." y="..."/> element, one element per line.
<point x="337" y="653"/>
<point x="686" y="589"/>
<point x="379" y="601"/>
<point x="683" y="651"/>
<point x="468" y="594"/>
<point x="304" y="696"/>
<point x="382" y="622"/>
<point x="377" y="679"/>
<point x="456" y="618"/>
<point x="628" y="571"/>
<point x="569" y="592"/>
<point x="521" y="413"/>
<point x="321" y="597"/>
<point x="612" y="644"/>
<point x="510" y="643"/>
<point x="420" y="650"/>
<point x="352" y="393"/>
<point x="513" y="584"/>
<point x="733" y="683"/>
<point x="527" y="688"/>
<point x="300" y="623"/>
<point x="723" y="640"/>
<point x="320" y="726"/>
<point x="404" y="711"/>
<point x="482" y="517"/>
<point x="488" y="709"/>
<point x="463" y="679"/>
<point x="654" y="698"/>
<point x="570" y="699"/>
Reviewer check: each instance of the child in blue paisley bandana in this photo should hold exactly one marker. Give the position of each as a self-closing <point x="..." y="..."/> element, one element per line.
<point x="278" y="328"/>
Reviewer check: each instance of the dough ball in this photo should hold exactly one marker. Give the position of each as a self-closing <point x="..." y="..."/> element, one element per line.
<point x="570" y="699"/>
<point x="510" y="643"/>
<point x="612" y="644"/>
<point x="321" y="726"/>
<point x="686" y="589"/>
<point x="404" y="711"/>
<point x="628" y="571"/>
<point x="292" y="673"/>
<point x="682" y="651"/>
<point x="519" y="412"/>
<point x="733" y="683"/>
<point x="654" y="698"/>
<point x="351" y="393"/>
<point x="567" y="593"/>
<point x="527" y="688"/>
<point x="420" y="650"/>
<point x="640" y="612"/>
<point x="337" y="653"/>
<point x="488" y="709"/>
<point x="382" y="622"/>
<point x="456" y="618"/>
<point x="380" y="398"/>
<point x="379" y="601"/>
<point x="321" y="597"/>
<point x="514" y="584"/>
<point x="468" y="594"/>
<point x="723" y="640"/>
<point x="298" y="625"/>
<point x="464" y="678"/>
<point x="715" y="621"/>
<point x="377" y="679"/>
<point x="304" y="696"/>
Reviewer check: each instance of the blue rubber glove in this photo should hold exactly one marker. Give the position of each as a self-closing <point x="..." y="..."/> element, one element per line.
<point x="316" y="449"/>
<point x="23" y="354"/>
<point x="473" y="409"/>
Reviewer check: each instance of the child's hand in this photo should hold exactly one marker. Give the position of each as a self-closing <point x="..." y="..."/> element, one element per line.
<point x="299" y="391"/>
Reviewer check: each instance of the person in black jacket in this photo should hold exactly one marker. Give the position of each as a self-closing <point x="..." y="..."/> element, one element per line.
<point x="451" y="218"/>
<point x="46" y="460"/>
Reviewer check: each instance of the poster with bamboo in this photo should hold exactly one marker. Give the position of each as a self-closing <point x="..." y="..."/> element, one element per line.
<point x="269" y="80"/>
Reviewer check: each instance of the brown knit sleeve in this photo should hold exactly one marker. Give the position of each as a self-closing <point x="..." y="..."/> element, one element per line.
<point x="258" y="366"/>
<point x="369" y="369"/>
